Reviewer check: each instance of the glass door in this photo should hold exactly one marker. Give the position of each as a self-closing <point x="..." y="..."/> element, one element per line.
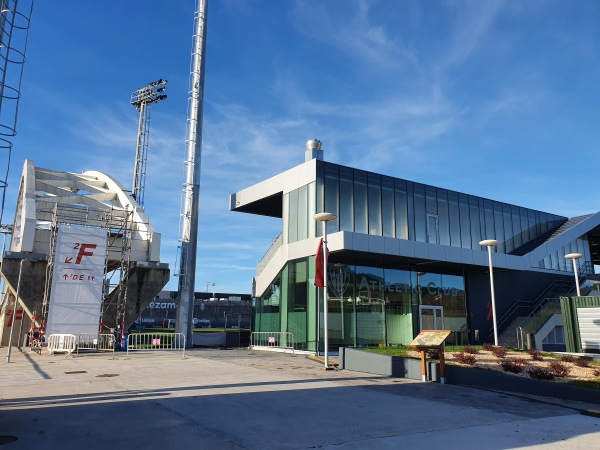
<point x="431" y="317"/>
<point x="433" y="235"/>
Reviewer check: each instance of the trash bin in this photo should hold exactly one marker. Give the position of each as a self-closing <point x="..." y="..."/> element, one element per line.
<point x="530" y="341"/>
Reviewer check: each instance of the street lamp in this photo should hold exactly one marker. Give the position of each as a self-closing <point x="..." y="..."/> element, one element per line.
<point x="489" y="243"/>
<point x="574" y="257"/>
<point x="325" y="217"/>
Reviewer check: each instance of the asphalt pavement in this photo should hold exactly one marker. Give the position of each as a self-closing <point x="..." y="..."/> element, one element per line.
<point x="249" y="399"/>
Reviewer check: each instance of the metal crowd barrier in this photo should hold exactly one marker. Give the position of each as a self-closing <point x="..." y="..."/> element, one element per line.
<point x="95" y="342"/>
<point x="61" y="343"/>
<point x="266" y="340"/>
<point x="156" y="341"/>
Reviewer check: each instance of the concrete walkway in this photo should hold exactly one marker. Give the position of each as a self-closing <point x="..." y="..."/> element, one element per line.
<point x="241" y="399"/>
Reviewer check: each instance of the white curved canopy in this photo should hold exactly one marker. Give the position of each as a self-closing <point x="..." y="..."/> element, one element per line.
<point x="92" y="199"/>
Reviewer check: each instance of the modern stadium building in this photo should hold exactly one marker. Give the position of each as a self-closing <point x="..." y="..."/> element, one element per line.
<point x="406" y="256"/>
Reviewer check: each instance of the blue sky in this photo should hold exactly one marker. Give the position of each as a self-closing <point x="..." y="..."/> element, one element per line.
<point x="499" y="99"/>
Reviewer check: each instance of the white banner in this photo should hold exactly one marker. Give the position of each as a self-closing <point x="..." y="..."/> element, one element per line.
<point x="76" y="293"/>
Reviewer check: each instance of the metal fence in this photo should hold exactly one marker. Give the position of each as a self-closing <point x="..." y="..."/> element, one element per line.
<point x="267" y="340"/>
<point x="61" y="343"/>
<point x="95" y="342"/>
<point x="156" y="341"/>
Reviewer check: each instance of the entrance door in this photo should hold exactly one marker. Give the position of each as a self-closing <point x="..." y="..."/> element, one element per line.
<point x="433" y="235"/>
<point x="431" y="317"/>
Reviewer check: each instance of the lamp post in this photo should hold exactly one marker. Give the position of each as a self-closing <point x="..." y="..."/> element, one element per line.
<point x="489" y="243"/>
<point x="574" y="257"/>
<point x="325" y="217"/>
<point x="142" y="99"/>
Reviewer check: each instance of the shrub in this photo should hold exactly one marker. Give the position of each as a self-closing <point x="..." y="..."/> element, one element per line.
<point x="582" y="362"/>
<point x="558" y="369"/>
<point x="465" y="358"/>
<point x="471" y="350"/>
<point x="511" y="366"/>
<point x="488" y="347"/>
<point x="520" y="361"/>
<point x="499" y="352"/>
<point x="536" y="355"/>
<point x="539" y="373"/>
<point x="597" y="372"/>
<point x="568" y="358"/>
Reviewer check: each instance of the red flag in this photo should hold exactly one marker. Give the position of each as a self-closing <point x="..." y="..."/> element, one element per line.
<point x="319" y="281"/>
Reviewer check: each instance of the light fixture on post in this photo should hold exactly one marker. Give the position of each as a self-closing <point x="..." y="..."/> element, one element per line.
<point x="574" y="257"/>
<point x="489" y="243"/>
<point x="141" y="100"/>
<point x="325" y="217"/>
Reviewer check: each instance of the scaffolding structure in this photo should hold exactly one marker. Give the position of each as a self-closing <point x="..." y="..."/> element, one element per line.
<point x="118" y="225"/>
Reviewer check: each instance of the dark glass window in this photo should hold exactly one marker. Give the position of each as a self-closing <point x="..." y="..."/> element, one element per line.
<point x="375" y="204"/>
<point x="411" y="211"/>
<point x="346" y="200"/>
<point x="387" y="206"/>
<point x="401" y="210"/>
<point x="360" y="202"/>
<point x="454" y="219"/>
<point x="524" y="225"/>
<point x="332" y="196"/>
<point x="420" y="222"/>
<point x="442" y="208"/>
<point x="320" y="192"/>
<point x="297" y="286"/>
<point x="475" y="225"/>
<point x="465" y="221"/>
<point x="430" y="200"/>
<point x="499" y="224"/>
<point x="532" y="224"/>
<point x="508" y="230"/>
<point x="516" y="223"/>
<point x="490" y="231"/>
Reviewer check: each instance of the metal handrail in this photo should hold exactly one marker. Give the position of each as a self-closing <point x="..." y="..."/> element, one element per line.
<point x="275" y="245"/>
<point x="530" y="304"/>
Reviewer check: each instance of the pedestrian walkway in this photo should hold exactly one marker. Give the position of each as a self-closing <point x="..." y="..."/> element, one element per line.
<point x="244" y="399"/>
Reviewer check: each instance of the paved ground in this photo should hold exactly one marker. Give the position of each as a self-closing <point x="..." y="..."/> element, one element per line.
<point x="241" y="399"/>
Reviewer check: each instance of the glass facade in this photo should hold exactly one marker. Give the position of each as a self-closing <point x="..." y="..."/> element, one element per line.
<point x="368" y="203"/>
<point x="367" y="306"/>
<point x="384" y="304"/>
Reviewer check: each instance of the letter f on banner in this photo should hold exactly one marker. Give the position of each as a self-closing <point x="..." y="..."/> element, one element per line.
<point x="82" y="252"/>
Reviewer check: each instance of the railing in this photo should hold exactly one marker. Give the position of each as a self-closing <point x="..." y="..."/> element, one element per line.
<point x="95" y="342"/>
<point x="275" y="245"/>
<point x="530" y="305"/>
<point x="156" y="341"/>
<point x="267" y="340"/>
<point x="61" y="343"/>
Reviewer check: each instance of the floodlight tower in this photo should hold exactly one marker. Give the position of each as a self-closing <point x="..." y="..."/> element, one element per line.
<point x="191" y="187"/>
<point x="142" y="99"/>
<point x="15" y="17"/>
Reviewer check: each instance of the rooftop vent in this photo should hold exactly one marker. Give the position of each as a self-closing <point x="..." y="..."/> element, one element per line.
<point x="313" y="150"/>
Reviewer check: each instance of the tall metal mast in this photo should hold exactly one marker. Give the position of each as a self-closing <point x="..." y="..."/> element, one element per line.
<point x="142" y="99"/>
<point x="191" y="187"/>
<point x="15" y="19"/>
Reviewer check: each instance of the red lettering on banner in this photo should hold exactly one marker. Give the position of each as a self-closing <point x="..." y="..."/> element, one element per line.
<point x="68" y="260"/>
<point x="82" y="252"/>
<point x="19" y="316"/>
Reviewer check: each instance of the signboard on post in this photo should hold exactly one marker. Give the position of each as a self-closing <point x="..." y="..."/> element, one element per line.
<point x="77" y="280"/>
<point x="431" y="339"/>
